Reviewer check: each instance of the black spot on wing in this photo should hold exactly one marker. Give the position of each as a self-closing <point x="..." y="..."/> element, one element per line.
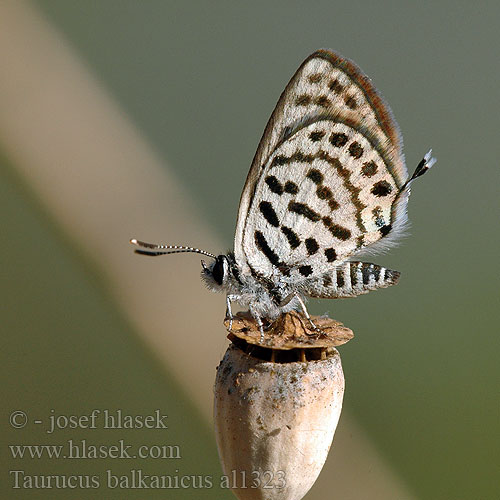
<point x="336" y="86"/>
<point x="385" y="230"/>
<point x="284" y="269"/>
<point x="333" y="204"/>
<point x="302" y="157"/>
<point x="291" y="187"/>
<point x="315" y="77"/>
<point x="316" y="135"/>
<point x="315" y="175"/>
<point x="267" y="210"/>
<point x="378" y="217"/>
<point x="369" y="168"/>
<point x="303" y="100"/>
<point x="291" y="236"/>
<point x="324" y="193"/>
<point x="322" y="101"/>
<point x="277" y="188"/>
<point x="338" y="139"/>
<point x="279" y="160"/>
<point x="304" y="210"/>
<point x="381" y="188"/>
<point x="298" y="156"/>
<point x="305" y="270"/>
<point x="311" y="246"/>
<point x="339" y="232"/>
<point x="274" y="184"/>
<point x="350" y="102"/>
<point x="355" y="150"/>
<point x="330" y="254"/>
<point x="263" y="246"/>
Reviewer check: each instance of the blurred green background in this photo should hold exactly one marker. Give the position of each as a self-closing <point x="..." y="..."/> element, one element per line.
<point x="200" y="79"/>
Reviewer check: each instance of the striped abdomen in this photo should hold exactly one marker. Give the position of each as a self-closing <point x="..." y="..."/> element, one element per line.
<point x="351" y="279"/>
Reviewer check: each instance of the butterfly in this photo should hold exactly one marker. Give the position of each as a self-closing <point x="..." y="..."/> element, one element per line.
<point x="328" y="184"/>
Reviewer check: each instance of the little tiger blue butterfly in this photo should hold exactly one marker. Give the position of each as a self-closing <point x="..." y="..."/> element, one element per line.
<point x="328" y="182"/>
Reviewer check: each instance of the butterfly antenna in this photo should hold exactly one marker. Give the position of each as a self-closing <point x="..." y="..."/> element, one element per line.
<point x="152" y="250"/>
<point x="425" y="164"/>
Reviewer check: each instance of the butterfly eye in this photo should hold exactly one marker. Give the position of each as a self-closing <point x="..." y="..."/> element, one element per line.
<point x="218" y="271"/>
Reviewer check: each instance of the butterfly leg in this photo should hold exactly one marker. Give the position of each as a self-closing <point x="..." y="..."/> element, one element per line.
<point x="258" y="319"/>
<point x="306" y="313"/>
<point x="261" y="328"/>
<point x="229" y="312"/>
<point x="287" y="299"/>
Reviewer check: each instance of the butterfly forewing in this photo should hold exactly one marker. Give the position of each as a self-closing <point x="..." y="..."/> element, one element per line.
<point x="325" y="176"/>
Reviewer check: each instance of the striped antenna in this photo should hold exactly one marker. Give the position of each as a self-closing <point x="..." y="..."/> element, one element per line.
<point x="153" y="250"/>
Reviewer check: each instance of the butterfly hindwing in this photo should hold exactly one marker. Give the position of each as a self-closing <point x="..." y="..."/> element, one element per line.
<point x="324" y="194"/>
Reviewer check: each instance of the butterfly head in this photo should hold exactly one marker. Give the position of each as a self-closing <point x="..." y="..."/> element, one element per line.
<point x="215" y="275"/>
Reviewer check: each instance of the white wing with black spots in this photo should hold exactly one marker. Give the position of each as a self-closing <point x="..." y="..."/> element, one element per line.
<point x="331" y="119"/>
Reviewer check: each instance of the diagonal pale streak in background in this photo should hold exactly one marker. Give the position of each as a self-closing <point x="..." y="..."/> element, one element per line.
<point x="100" y="181"/>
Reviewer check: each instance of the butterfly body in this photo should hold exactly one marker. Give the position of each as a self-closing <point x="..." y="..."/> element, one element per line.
<point x="264" y="297"/>
<point x="270" y="297"/>
<point x="328" y="183"/>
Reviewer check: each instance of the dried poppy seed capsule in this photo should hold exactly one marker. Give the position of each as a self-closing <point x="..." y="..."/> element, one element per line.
<point x="277" y="405"/>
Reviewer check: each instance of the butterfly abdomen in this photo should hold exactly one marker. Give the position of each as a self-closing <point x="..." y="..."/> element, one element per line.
<point x="351" y="279"/>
